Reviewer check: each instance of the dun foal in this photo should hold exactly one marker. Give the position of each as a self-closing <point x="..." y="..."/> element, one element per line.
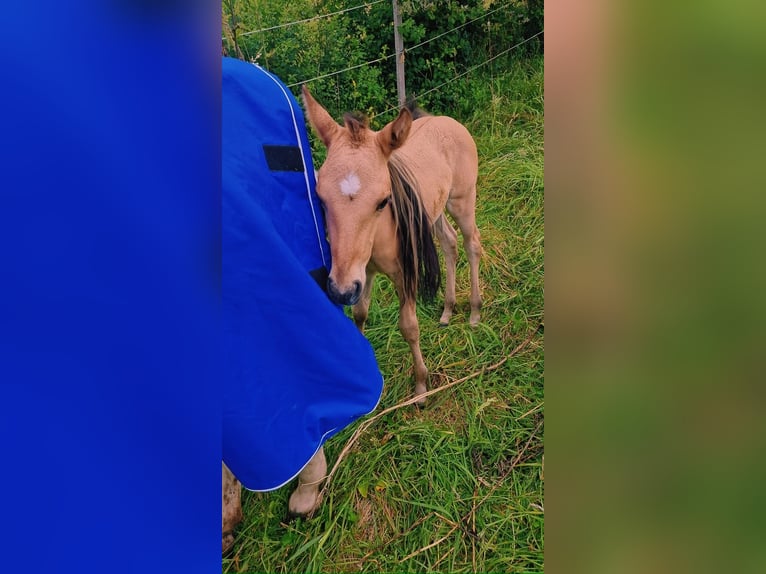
<point x="383" y="193"/>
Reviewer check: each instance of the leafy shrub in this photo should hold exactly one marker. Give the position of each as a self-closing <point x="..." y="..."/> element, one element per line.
<point x="442" y="39"/>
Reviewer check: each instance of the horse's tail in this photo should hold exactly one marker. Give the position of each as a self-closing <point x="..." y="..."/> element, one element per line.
<point x="420" y="260"/>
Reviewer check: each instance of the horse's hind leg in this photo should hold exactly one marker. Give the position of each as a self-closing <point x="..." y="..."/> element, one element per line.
<point x="363" y="305"/>
<point x="306" y="495"/>
<point x="464" y="213"/>
<point x="408" y="325"/>
<point x="472" y="245"/>
<point x="448" y="240"/>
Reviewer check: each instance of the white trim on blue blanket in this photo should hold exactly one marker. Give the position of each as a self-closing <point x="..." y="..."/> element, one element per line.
<point x="321" y="444"/>
<point x="303" y="159"/>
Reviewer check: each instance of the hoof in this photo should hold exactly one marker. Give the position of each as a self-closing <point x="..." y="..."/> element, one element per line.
<point x="303" y="501"/>
<point x="420" y="388"/>
<point x="442" y="325"/>
<point x="305" y="498"/>
<point x="446" y="316"/>
<point x="227" y="542"/>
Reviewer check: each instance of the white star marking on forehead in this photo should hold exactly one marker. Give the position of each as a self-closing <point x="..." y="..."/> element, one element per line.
<point x="350" y="185"/>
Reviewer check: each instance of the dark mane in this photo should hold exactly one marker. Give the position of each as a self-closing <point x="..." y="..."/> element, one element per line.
<point x="415" y="109"/>
<point x="420" y="260"/>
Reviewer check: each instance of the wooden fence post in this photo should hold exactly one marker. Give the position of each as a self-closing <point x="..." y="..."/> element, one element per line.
<point x="399" y="47"/>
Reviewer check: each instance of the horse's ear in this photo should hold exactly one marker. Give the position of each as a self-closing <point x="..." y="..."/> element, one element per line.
<point x="326" y="127"/>
<point x="395" y="133"/>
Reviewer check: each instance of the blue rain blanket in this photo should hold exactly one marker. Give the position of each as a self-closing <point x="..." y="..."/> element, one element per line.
<point x="296" y="369"/>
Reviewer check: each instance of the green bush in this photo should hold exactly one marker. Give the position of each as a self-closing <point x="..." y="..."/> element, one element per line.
<point x="305" y="51"/>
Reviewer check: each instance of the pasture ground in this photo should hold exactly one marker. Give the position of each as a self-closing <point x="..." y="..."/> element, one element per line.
<point x="458" y="486"/>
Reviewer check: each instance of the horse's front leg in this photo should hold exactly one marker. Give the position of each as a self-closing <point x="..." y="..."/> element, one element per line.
<point x="408" y="325"/>
<point x="231" y="507"/>
<point x="306" y="496"/>
<point x="363" y="306"/>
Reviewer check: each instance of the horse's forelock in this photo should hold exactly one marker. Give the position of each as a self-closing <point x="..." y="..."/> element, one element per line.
<point x="357" y="125"/>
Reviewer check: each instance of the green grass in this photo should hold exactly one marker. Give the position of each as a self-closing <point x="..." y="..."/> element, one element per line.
<point x="446" y="472"/>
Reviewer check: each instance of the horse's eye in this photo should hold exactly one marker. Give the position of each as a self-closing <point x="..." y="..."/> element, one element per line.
<point x="383" y="203"/>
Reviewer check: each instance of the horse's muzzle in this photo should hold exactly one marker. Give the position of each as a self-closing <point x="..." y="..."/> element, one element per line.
<point x="349" y="297"/>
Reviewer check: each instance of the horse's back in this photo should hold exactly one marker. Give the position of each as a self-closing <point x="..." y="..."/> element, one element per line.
<point x="444" y="132"/>
<point x="443" y="157"/>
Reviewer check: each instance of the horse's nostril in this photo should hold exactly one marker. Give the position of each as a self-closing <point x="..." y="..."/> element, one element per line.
<point x="349" y="297"/>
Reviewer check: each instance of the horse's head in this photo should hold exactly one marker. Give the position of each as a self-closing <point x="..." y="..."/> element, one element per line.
<point x="354" y="186"/>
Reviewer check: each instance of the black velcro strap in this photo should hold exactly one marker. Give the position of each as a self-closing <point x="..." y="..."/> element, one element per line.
<point x="283" y="157"/>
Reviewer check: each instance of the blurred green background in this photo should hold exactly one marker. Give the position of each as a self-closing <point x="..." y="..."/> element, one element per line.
<point x="655" y="286"/>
